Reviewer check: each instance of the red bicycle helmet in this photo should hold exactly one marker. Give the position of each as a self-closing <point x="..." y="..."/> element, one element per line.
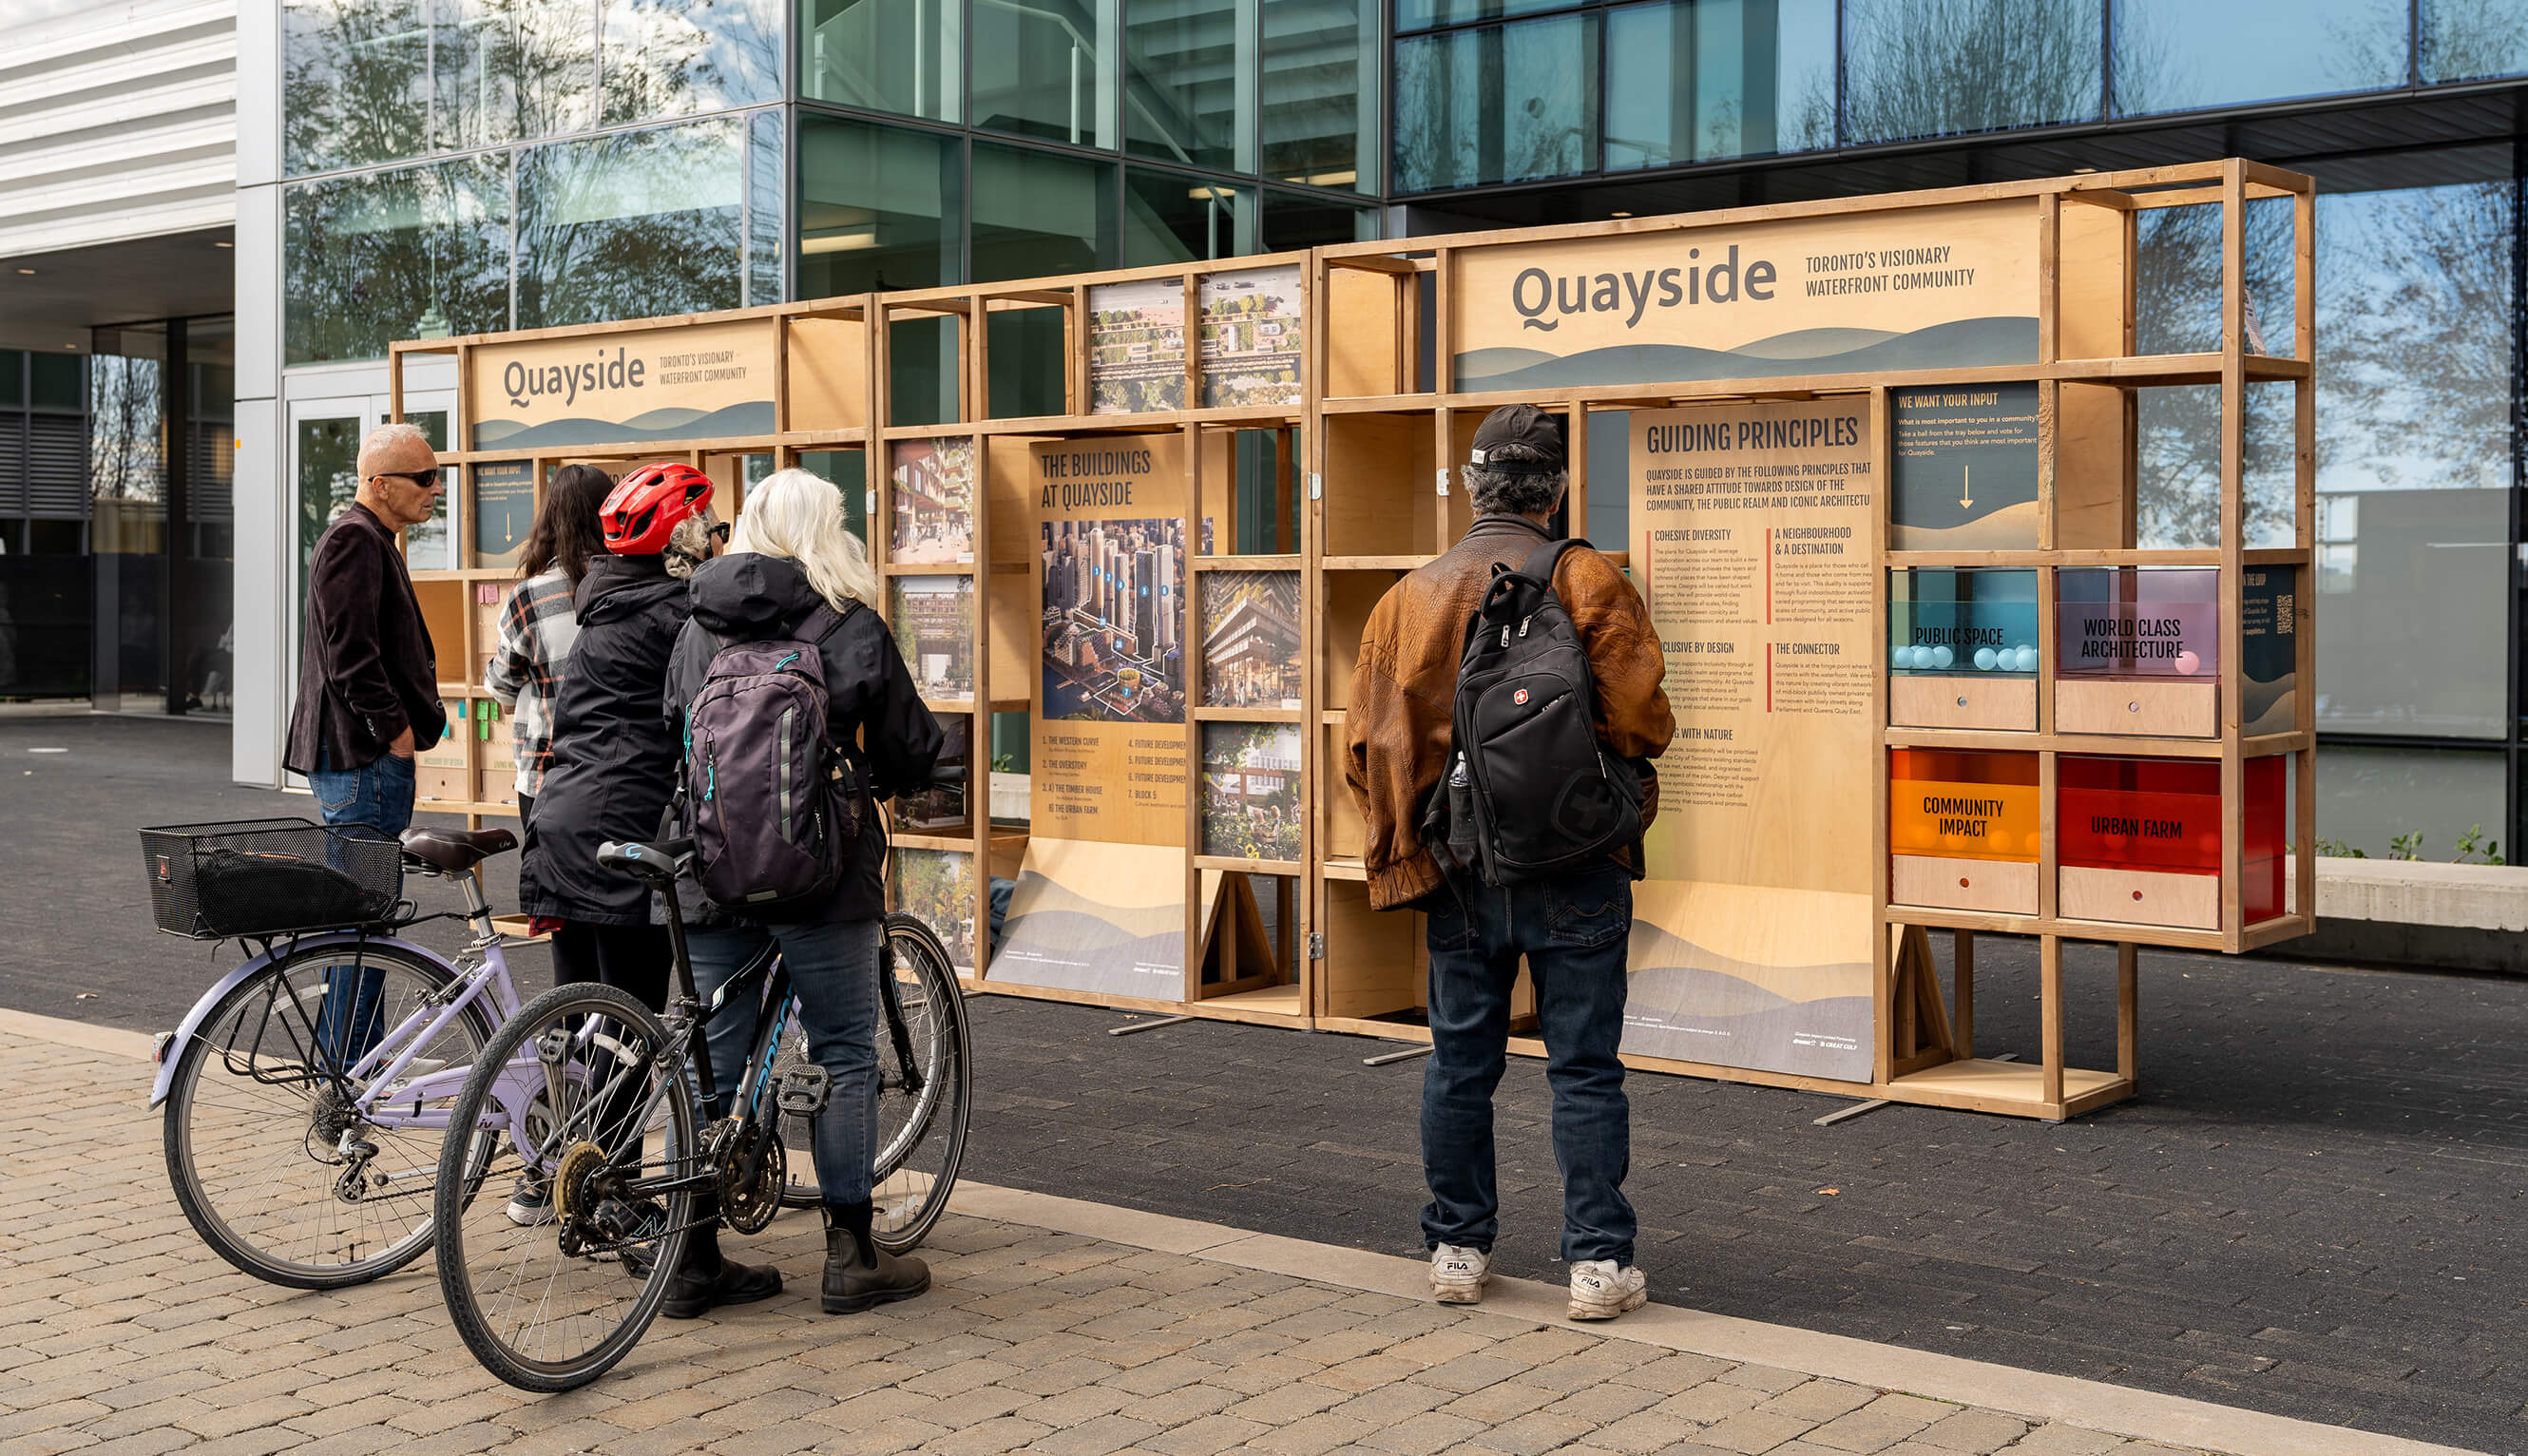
<point x="644" y="507"/>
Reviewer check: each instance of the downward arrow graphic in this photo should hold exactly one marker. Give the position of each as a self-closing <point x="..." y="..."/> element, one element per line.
<point x="1966" y="491"/>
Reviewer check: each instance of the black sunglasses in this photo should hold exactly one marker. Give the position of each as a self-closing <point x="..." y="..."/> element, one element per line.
<point x="427" y="479"/>
<point x="720" y="532"/>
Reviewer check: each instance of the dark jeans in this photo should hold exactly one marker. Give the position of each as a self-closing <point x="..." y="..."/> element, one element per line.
<point x="378" y="794"/>
<point x="1573" y="933"/>
<point x="834" y="964"/>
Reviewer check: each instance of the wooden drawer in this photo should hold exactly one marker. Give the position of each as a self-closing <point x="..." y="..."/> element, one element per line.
<point x="432" y="785"/>
<point x="1990" y="702"/>
<point x="2138" y="897"/>
<point x="497" y="785"/>
<point x="2142" y="710"/>
<point x="2001" y="886"/>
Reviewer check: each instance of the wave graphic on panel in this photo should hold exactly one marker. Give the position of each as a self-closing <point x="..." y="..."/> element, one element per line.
<point x="1965" y="341"/>
<point x="1743" y="977"/>
<point x="1057" y="937"/>
<point x="752" y="418"/>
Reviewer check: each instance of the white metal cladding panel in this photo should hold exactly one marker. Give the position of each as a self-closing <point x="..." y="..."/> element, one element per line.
<point x="121" y="122"/>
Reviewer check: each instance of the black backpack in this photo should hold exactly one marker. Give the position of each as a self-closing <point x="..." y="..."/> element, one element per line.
<point x="1530" y="793"/>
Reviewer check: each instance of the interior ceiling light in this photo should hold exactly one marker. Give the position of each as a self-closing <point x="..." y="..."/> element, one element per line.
<point x="223" y="244"/>
<point x="1619" y="213"/>
<point x="30" y="272"/>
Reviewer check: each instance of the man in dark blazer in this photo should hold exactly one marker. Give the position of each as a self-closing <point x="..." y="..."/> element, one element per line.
<point x="368" y="679"/>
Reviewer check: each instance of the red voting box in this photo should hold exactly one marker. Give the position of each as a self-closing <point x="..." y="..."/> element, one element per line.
<point x="2138" y="840"/>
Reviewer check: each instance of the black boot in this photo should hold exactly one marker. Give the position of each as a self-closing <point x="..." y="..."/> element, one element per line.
<point x="704" y="1281"/>
<point x="857" y="1272"/>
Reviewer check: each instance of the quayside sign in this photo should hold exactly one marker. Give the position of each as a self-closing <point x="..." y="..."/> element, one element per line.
<point x="1857" y="293"/>
<point x="698" y="381"/>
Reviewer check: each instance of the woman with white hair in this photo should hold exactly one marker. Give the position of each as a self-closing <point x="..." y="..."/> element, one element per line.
<point x="792" y="560"/>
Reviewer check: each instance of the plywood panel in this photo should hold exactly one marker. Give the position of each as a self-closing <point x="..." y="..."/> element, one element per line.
<point x="2091" y="306"/>
<point x="2092" y="437"/>
<point x="828" y="374"/>
<point x="1340" y="830"/>
<point x="2004" y="887"/>
<point x="1010" y="496"/>
<point x="1351" y="596"/>
<point x="1361" y="319"/>
<point x="2138" y="897"/>
<point x="1378" y="498"/>
<point x="2149" y="709"/>
<point x="1374" y="962"/>
<point x="2006" y="703"/>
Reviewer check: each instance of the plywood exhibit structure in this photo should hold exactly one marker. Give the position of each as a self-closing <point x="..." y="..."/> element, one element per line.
<point x="1885" y="480"/>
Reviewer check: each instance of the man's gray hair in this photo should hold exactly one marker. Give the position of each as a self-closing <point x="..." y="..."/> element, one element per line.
<point x="1502" y="492"/>
<point x="394" y="433"/>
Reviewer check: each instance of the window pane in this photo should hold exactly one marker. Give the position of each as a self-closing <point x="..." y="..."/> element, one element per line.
<point x="12" y="378"/>
<point x="2463" y="39"/>
<point x="1320" y="81"/>
<point x="1040" y="213"/>
<point x="1696" y="80"/>
<point x="631" y="224"/>
<point x="1172" y="218"/>
<point x="421" y="253"/>
<point x="1505" y="103"/>
<point x="2367" y="796"/>
<point x="1936" y="68"/>
<point x="355" y="82"/>
<point x="879" y="208"/>
<point x="1421" y="14"/>
<point x="1295" y="219"/>
<point x="666" y="58"/>
<point x="2415" y="461"/>
<point x="766" y="190"/>
<point x="1045" y="68"/>
<point x="511" y="70"/>
<point x="903" y="56"/>
<point x="2177" y="55"/>
<point x="59" y="381"/>
<point x="1180" y="67"/>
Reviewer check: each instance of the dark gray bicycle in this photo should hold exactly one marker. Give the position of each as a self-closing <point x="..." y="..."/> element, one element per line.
<point x="597" y="1095"/>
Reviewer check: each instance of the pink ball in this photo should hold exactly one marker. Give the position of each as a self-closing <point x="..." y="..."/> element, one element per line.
<point x="2188" y="663"/>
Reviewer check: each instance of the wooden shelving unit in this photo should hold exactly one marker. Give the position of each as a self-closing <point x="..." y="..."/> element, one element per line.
<point x="1354" y="468"/>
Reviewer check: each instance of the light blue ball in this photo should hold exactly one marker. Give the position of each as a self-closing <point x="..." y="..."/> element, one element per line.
<point x="1942" y="656"/>
<point x="2025" y="659"/>
<point x="1984" y="659"/>
<point x="1905" y="655"/>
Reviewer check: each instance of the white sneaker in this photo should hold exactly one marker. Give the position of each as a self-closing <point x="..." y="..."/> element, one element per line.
<point x="1601" y="1291"/>
<point x="1458" y="1275"/>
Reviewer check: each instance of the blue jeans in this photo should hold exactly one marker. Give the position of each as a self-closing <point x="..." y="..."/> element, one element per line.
<point x="834" y="964"/>
<point x="380" y="794"/>
<point x="1573" y="933"/>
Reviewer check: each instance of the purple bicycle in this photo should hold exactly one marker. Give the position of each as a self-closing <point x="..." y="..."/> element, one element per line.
<point x="309" y="1092"/>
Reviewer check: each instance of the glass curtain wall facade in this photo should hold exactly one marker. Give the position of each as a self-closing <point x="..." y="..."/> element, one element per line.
<point x="1530" y="111"/>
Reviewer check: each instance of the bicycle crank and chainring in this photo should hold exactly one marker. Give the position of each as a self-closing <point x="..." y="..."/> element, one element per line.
<point x="573" y="1197"/>
<point x="753" y="1168"/>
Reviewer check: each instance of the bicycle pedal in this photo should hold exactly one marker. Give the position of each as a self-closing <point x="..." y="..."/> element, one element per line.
<point x="802" y="1091"/>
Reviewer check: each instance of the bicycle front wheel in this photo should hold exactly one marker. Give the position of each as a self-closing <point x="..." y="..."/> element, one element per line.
<point x="289" y="1167"/>
<point x="922" y="1119"/>
<point x="591" y="1092"/>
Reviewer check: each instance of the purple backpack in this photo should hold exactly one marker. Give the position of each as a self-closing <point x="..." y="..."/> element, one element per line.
<point x="774" y="810"/>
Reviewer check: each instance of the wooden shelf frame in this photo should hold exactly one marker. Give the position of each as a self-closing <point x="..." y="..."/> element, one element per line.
<point x="1368" y="459"/>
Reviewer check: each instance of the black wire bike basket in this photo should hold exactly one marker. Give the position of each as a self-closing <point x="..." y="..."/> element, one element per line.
<point x="259" y="877"/>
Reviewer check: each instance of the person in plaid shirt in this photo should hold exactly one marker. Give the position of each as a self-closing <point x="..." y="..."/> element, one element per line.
<point x="539" y="624"/>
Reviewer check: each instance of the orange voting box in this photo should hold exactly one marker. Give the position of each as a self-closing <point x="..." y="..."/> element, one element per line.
<point x="2138" y="840"/>
<point x="1963" y="830"/>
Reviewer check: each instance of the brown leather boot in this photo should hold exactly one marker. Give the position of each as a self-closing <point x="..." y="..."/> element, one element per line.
<point x="704" y="1281"/>
<point x="857" y="1272"/>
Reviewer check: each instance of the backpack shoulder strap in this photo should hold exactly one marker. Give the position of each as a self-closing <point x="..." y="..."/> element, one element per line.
<point x="824" y="621"/>
<point x="1541" y="562"/>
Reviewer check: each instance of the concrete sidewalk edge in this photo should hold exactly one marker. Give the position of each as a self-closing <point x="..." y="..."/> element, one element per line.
<point x="2034" y="1395"/>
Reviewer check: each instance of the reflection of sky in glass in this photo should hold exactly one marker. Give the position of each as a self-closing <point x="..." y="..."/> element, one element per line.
<point x="1680" y="87"/>
<point x="2463" y="39"/>
<point x="1937" y="67"/>
<point x="631" y="224"/>
<point x="667" y="58"/>
<point x="1454" y="130"/>
<point x="2178" y="55"/>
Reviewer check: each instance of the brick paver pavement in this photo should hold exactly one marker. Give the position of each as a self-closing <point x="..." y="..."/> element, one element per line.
<point x="121" y="1333"/>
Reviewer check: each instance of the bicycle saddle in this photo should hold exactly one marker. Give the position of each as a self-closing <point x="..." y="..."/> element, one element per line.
<point x="456" y="850"/>
<point x="656" y="862"/>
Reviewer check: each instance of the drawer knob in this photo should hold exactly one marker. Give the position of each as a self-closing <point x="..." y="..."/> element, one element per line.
<point x="2133" y="708"/>
<point x="2136" y="895"/>
<point x="1962" y="882"/>
<point x="1961" y="702"/>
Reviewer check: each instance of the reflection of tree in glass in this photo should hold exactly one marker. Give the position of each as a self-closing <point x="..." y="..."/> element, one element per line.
<point x="630" y="225"/>
<point x="511" y="70"/>
<point x="1935" y="68"/>
<point x="933" y="887"/>
<point x="375" y="258"/>
<point x="668" y="58"/>
<point x="124" y="459"/>
<point x="356" y="81"/>
<point x="2462" y="42"/>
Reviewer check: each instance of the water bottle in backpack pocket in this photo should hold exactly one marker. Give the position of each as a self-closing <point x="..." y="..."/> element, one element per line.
<point x="1544" y="796"/>
<point x="774" y="808"/>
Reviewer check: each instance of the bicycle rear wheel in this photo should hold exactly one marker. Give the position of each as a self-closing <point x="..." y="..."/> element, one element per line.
<point x="593" y="1095"/>
<point x="271" y="1158"/>
<point x="920" y="1130"/>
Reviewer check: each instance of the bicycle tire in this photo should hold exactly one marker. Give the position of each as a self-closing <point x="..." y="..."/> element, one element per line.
<point x="476" y="1324"/>
<point x="201" y="1205"/>
<point x="953" y="1074"/>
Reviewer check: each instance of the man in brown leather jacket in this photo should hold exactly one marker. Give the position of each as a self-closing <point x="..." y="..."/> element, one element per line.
<point x="1572" y="930"/>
